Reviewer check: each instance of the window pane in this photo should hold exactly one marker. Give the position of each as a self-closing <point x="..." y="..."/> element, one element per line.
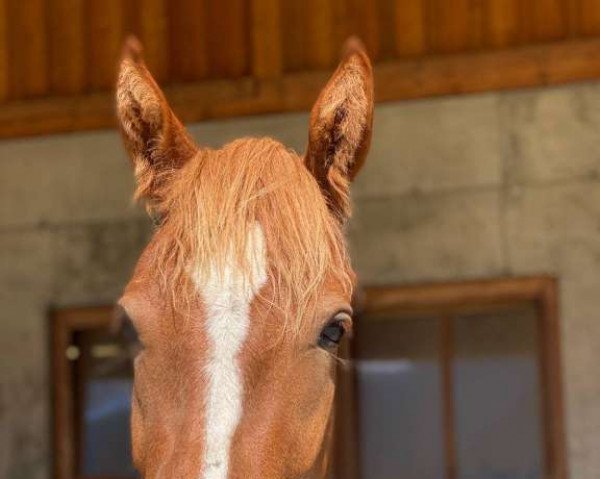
<point x="106" y="379"/>
<point x="399" y="399"/>
<point x="497" y="396"/>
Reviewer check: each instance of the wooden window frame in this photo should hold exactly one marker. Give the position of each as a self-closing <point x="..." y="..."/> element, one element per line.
<point x="450" y="299"/>
<point x="65" y="323"/>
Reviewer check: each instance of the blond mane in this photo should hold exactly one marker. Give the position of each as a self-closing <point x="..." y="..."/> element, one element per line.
<point x="218" y="196"/>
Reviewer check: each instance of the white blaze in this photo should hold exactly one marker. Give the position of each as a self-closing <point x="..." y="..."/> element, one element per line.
<point x="227" y="299"/>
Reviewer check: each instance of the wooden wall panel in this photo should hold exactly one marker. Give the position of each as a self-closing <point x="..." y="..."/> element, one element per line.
<point x="454" y="26"/>
<point x="293" y="23"/>
<point x="188" y="40"/>
<point x="409" y="27"/>
<point x="365" y="25"/>
<point x="151" y="26"/>
<point x="105" y="34"/>
<point x="27" y="48"/>
<point x="342" y="22"/>
<point x="227" y="38"/>
<point x="587" y="14"/>
<point x="67" y="48"/>
<point x="4" y="53"/>
<point x="58" y="57"/>
<point x="501" y="24"/>
<point x="267" y="34"/>
<point x="319" y="41"/>
<point x="545" y="19"/>
<point x="386" y="16"/>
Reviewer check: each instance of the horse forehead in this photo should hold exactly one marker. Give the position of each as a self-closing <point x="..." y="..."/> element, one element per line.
<point x="227" y="292"/>
<point x="226" y="281"/>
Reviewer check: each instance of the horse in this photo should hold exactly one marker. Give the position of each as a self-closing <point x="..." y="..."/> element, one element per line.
<point x="243" y="293"/>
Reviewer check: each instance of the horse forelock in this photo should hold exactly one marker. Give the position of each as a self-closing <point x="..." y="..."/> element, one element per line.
<point x="215" y="202"/>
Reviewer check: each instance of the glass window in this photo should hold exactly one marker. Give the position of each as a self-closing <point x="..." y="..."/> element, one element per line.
<point x="497" y="404"/>
<point x="398" y="381"/>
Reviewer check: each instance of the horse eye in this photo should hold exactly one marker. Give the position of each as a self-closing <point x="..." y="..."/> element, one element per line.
<point x="334" y="331"/>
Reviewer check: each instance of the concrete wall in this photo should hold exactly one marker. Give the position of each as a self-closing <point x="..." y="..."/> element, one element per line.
<point x="470" y="187"/>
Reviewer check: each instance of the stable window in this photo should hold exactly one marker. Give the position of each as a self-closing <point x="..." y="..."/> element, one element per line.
<point x="92" y="383"/>
<point x="454" y="381"/>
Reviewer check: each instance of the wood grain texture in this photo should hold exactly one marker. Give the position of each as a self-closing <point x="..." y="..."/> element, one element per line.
<point x="386" y="29"/>
<point x="410" y="27"/>
<point x="448" y="296"/>
<point x="105" y="33"/>
<point x="294" y="24"/>
<point x="551" y="379"/>
<point x="65" y="51"/>
<point x="431" y="76"/>
<point x="501" y="23"/>
<point x="28" y="54"/>
<point x="188" y="40"/>
<point x="66" y="29"/>
<point x="64" y="451"/>
<point x="342" y="22"/>
<point x="4" y="52"/>
<point x="228" y="38"/>
<point x="546" y="64"/>
<point x="267" y="57"/>
<point x="448" y="26"/>
<point x="319" y="39"/>
<point x="365" y="25"/>
<point x="587" y="17"/>
<point x="345" y="447"/>
<point x="544" y="20"/>
<point x="445" y="361"/>
<point x="454" y="26"/>
<point x="152" y="27"/>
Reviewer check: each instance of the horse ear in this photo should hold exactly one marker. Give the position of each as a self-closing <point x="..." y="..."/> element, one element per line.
<point x="156" y="141"/>
<point x="340" y="128"/>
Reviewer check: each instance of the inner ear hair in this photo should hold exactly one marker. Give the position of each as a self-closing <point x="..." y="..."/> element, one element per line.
<point x="157" y="142"/>
<point x="340" y="128"/>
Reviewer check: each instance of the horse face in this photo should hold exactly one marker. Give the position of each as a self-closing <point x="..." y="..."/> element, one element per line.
<point x="228" y="390"/>
<point x="243" y="293"/>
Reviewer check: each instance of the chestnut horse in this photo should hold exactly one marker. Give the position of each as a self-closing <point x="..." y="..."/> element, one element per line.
<point x="243" y="293"/>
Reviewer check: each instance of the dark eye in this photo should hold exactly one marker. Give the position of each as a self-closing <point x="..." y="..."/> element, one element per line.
<point x="334" y="331"/>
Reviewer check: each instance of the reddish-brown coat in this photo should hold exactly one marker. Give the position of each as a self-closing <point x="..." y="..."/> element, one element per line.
<point x="288" y="380"/>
